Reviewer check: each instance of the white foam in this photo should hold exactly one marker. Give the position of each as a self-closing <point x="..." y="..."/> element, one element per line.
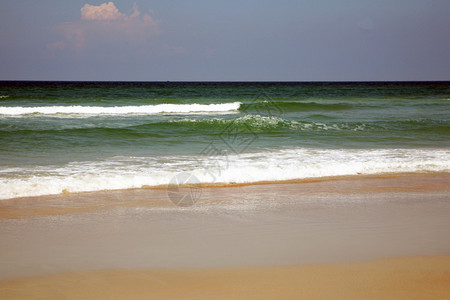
<point x="135" y="172"/>
<point x="268" y="122"/>
<point x="120" y="110"/>
<point x="307" y="163"/>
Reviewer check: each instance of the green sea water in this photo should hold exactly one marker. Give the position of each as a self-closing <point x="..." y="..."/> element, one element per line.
<point x="76" y="136"/>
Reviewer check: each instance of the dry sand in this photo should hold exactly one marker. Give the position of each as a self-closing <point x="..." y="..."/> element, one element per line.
<point x="395" y="278"/>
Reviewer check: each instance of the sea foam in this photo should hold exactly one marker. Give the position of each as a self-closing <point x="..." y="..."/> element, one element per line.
<point x="286" y="164"/>
<point x="120" y="110"/>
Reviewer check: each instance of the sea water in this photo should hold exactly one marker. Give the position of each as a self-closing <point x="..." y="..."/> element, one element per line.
<point x="85" y="136"/>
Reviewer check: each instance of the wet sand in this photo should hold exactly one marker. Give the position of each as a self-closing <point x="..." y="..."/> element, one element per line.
<point x="314" y="238"/>
<point x="69" y="203"/>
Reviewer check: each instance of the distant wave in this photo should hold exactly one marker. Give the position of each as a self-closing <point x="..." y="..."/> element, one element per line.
<point x="282" y="106"/>
<point x="120" y="110"/>
<point x="267" y="123"/>
<point x="255" y="123"/>
<point x="279" y="107"/>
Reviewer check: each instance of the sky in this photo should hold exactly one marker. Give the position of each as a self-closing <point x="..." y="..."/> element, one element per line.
<point x="234" y="40"/>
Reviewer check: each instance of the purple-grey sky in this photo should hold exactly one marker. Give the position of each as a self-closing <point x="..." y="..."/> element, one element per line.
<point x="285" y="40"/>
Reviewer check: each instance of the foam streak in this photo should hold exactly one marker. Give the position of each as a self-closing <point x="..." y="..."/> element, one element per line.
<point x="121" y="110"/>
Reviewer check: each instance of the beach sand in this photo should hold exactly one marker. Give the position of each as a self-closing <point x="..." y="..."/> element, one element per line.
<point x="362" y="237"/>
<point x="394" y="278"/>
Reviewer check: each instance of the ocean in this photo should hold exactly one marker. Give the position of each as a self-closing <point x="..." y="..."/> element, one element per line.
<point x="59" y="137"/>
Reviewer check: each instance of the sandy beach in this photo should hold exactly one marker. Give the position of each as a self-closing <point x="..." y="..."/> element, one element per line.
<point x="362" y="237"/>
<point x="394" y="278"/>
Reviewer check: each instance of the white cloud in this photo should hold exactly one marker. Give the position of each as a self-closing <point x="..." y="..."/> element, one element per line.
<point x="105" y="11"/>
<point x="106" y="24"/>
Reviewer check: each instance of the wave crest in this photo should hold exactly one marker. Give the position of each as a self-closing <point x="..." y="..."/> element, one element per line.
<point x="121" y="110"/>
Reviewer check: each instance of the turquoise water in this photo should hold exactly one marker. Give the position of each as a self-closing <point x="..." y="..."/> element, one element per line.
<point x="57" y="136"/>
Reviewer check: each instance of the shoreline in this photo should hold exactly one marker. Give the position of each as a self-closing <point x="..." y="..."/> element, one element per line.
<point x="68" y="203"/>
<point x="387" y="278"/>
